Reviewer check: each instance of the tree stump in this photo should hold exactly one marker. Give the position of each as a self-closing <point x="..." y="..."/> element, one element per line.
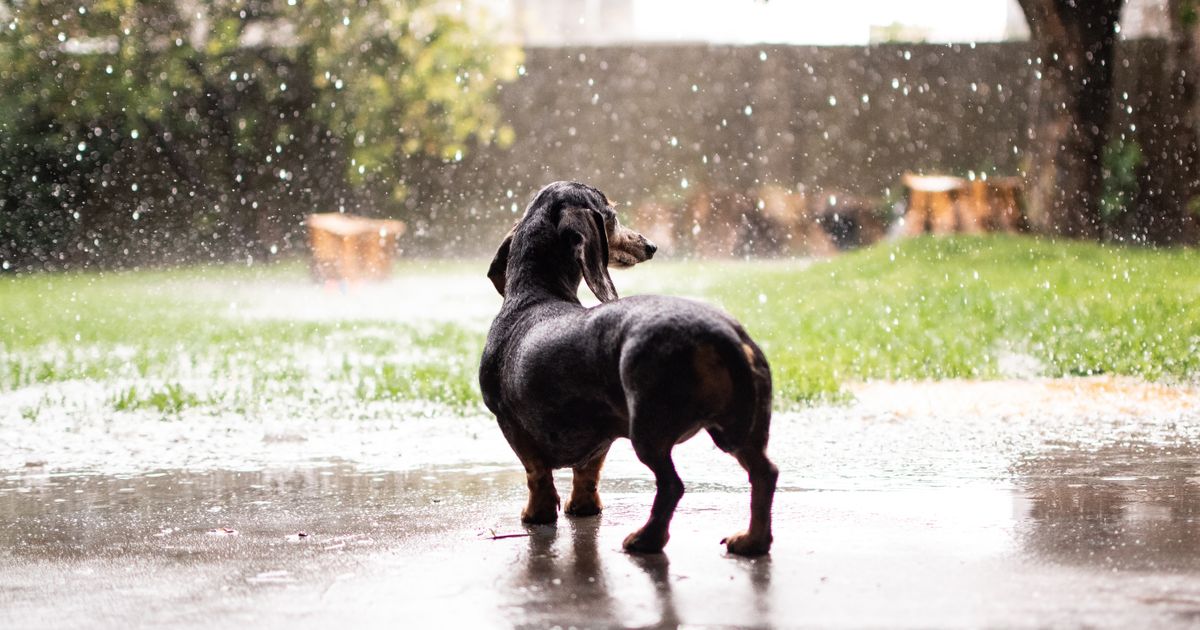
<point x="933" y="202"/>
<point x="348" y="248"/>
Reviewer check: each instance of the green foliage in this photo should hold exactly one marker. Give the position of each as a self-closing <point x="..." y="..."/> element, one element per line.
<point x="204" y="123"/>
<point x="1121" y="161"/>
<point x="1189" y="13"/>
<point x="169" y="398"/>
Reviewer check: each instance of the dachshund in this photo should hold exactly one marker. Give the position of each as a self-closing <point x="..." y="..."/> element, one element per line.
<point x="565" y="381"/>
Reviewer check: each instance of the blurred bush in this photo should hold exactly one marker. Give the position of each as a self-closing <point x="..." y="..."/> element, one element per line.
<point x="149" y="131"/>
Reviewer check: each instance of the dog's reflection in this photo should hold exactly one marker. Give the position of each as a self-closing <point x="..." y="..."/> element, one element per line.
<point x="583" y="583"/>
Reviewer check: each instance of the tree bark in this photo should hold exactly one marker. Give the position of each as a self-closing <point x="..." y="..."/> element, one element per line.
<point x="1170" y="215"/>
<point x="1072" y="107"/>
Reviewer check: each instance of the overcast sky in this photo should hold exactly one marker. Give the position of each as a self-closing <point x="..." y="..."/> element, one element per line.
<point x="816" y="21"/>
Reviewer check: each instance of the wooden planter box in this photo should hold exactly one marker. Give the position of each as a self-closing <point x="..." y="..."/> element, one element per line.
<point x="347" y="248"/>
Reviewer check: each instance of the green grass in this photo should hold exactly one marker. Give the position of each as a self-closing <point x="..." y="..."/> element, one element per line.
<point x="168" y="340"/>
<point x="945" y="308"/>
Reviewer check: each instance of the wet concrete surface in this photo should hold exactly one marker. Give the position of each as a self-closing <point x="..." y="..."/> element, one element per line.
<point x="933" y="514"/>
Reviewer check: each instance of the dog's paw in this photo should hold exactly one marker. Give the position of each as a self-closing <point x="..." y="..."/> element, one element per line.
<point x="541" y="516"/>
<point x="743" y="544"/>
<point x="642" y="541"/>
<point x="589" y="506"/>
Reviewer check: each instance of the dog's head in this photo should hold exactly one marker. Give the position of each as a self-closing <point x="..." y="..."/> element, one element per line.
<point x="569" y="231"/>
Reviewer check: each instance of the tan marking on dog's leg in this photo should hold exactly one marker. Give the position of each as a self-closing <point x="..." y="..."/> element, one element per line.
<point x="749" y="353"/>
<point x="542" y="506"/>
<point x="543" y="498"/>
<point x="714" y="384"/>
<point x="585" y="489"/>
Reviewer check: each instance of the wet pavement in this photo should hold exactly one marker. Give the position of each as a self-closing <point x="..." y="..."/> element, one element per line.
<point x="1018" y="504"/>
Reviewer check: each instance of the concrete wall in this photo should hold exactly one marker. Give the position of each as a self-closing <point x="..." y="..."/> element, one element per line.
<point x="638" y="121"/>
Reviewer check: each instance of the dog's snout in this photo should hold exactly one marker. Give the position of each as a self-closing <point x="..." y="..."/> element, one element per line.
<point x="650" y="249"/>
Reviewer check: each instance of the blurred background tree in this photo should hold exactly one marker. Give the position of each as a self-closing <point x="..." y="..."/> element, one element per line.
<point x="1070" y="128"/>
<point x="142" y="130"/>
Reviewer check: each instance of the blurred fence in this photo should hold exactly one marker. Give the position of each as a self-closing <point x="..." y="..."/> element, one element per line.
<point x="656" y="123"/>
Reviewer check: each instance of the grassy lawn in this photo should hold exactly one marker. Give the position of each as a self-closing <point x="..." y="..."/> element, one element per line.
<point x="166" y="341"/>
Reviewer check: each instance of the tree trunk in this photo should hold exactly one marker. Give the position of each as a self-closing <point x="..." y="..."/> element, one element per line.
<point x="1072" y="108"/>
<point x="1169" y="215"/>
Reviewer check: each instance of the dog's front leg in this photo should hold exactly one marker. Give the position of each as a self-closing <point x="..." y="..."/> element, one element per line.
<point x="542" y="507"/>
<point x="585" y="488"/>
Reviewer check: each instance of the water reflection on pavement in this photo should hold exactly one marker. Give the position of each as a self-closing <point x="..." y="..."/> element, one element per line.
<point x="923" y="518"/>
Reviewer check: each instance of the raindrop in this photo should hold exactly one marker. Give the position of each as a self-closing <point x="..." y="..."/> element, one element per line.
<point x="683" y="183"/>
<point x="346" y="21"/>
<point x="134" y="134"/>
<point x="134" y="187"/>
<point x="458" y="154"/>
<point x="832" y="101"/>
<point x="521" y="70"/>
<point x="337" y="85"/>
<point x="282" y="87"/>
<point x="108" y="69"/>
<point x="749" y="110"/>
<point x="82" y="146"/>
<point x="762" y="55"/>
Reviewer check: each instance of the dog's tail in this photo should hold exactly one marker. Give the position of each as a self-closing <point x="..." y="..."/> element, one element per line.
<point x="749" y="423"/>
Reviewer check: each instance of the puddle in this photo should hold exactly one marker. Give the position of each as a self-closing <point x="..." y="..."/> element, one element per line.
<point x="1104" y="540"/>
<point x="918" y="504"/>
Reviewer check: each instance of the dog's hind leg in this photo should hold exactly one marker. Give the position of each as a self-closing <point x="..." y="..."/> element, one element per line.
<point x="653" y="536"/>
<point x="756" y="541"/>
<point x="585" y="495"/>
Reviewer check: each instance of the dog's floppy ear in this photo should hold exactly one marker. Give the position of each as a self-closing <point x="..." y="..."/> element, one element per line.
<point x="590" y="249"/>
<point x="498" y="270"/>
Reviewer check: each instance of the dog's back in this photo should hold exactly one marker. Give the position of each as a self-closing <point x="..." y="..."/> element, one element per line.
<point x="584" y="373"/>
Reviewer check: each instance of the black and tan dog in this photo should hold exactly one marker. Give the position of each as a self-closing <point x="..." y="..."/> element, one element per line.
<point x="566" y="381"/>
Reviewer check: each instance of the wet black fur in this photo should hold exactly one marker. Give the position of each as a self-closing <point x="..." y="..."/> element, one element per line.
<point x="565" y="381"/>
